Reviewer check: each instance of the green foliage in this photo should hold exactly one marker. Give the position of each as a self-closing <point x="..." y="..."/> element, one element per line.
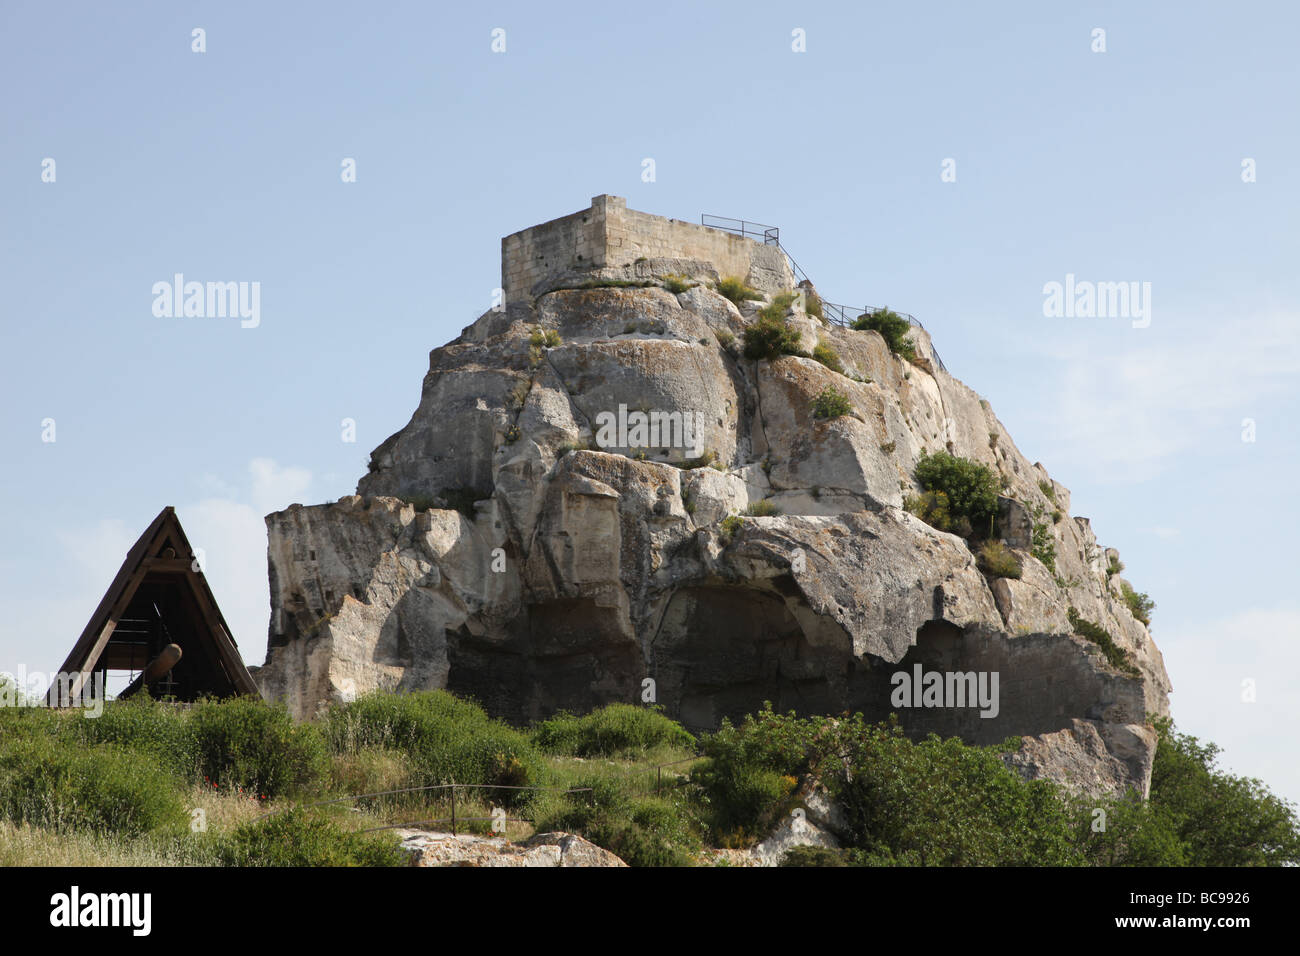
<point x="762" y="509"/>
<point x="734" y="288"/>
<point x="1043" y="543"/>
<point x="1139" y="604"/>
<point x="831" y="403"/>
<point x="971" y="489"/>
<point x="729" y="526"/>
<point x="677" y="284"/>
<point x="149" y="727"/>
<point x="932" y="508"/>
<point x="813" y="856"/>
<point x="892" y="327"/>
<point x="302" y="838"/>
<point x="1116" y="655"/>
<point x="246" y="743"/>
<point x="726" y="339"/>
<point x="1220" y="819"/>
<point x="1048" y="489"/>
<point x="512" y="434"/>
<point x="888" y="447"/>
<point x="617" y="730"/>
<point x="1114" y="566"/>
<point x="642" y="829"/>
<point x="771" y="336"/>
<point x="445" y="739"/>
<point x="544" y="338"/>
<point x="65" y="785"/>
<point x="997" y="559"/>
<point x="829" y="357"/>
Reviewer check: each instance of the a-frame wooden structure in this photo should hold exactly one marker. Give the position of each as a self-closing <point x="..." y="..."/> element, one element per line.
<point x="159" y="599"/>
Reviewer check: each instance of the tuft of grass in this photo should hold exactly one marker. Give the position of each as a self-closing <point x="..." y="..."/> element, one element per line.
<point x="813" y="306"/>
<point x="762" y="509"/>
<point x="999" y="561"/>
<point x="541" y="338"/>
<point x="734" y="288"/>
<point x="677" y="284"/>
<point x="729" y="526"/>
<point x="829" y="357"/>
<point x="1048" y="489"/>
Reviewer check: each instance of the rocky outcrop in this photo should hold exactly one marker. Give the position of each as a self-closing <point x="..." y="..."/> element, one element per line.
<point x="542" y="849"/>
<point x="497" y="549"/>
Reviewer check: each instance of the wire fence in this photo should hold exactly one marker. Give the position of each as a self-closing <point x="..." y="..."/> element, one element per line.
<point x="456" y="819"/>
<point x="841" y="315"/>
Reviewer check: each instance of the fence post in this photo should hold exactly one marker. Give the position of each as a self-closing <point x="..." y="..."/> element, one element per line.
<point x="453" y="808"/>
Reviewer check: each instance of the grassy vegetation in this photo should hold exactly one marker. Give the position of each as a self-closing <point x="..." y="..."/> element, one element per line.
<point x="997" y="559"/>
<point x="1116" y="655"/>
<point x="149" y="784"/>
<point x="762" y="509"/>
<point x="677" y="284"/>
<point x="734" y="288"/>
<point x="829" y="357"/>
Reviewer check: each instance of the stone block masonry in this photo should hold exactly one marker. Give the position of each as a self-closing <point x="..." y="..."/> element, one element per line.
<point x="611" y="235"/>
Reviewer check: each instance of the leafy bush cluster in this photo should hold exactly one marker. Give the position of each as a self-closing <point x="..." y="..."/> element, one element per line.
<point x="1139" y="604"/>
<point x="970" y="490"/>
<point x="1042" y="542"/>
<point x="614" y="731"/>
<point x="677" y="284"/>
<point x="770" y="335"/>
<point x="892" y="327"/>
<point x="831" y="403"/>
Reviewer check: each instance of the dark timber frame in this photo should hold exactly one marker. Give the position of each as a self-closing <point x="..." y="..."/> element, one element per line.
<point x="158" y="598"/>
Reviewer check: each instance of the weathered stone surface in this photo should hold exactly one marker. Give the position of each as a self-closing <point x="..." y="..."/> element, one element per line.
<point x="576" y="572"/>
<point x="539" y="850"/>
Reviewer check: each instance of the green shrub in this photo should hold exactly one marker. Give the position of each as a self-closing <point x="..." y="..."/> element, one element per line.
<point x="971" y="488"/>
<point x="892" y="327"/>
<point x="300" y="838"/>
<point x="997" y="559"/>
<point x="1114" y="566"/>
<point x="771" y="336"/>
<point x="1048" y="489"/>
<point x="729" y="526"/>
<point x="247" y="743"/>
<point x="617" y="730"/>
<point x="734" y="288"/>
<point x="831" y="403"/>
<point x="829" y="357"/>
<point x="677" y="284"/>
<point x="1140" y="605"/>
<point x="1116" y="655"/>
<point x="63" y="785"/>
<point x="446" y="740"/>
<point x="726" y="339"/>
<point x="1043" y="544"/>
<point x="762" y="509"/>
<point x="146" y="726"/>
<point x="642" y="830"/>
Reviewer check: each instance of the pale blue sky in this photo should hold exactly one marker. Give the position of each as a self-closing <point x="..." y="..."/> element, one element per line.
<point x="1122" y="165"/>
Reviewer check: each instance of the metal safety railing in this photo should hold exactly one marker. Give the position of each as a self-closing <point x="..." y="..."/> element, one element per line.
<point x="836" y="314"/>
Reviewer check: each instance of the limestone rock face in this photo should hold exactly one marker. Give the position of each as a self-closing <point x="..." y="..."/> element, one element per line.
<point x="540" y="850"/>
<point x="501" y="547"/>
